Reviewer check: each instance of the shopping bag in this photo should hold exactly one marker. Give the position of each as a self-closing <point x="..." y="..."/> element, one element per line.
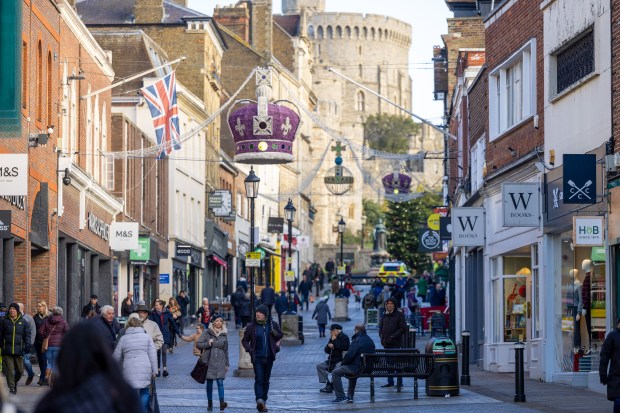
<point x="153" y="403"/>
<point x="199" y="373"/>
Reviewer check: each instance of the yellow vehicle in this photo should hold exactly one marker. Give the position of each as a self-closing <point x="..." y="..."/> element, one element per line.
<point x="390" y="271"/>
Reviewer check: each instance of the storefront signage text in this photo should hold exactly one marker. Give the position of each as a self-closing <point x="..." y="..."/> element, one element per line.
<point x="521" y="204"/>
<point x="468" y="227"/>
<point x="13" y="174"/>
<point x="124" y="236"/>
<point x="588" y="231"/>
<point x="98" y="226"/>
<point x="5" y="224"/>
<point x="16" y="201"/>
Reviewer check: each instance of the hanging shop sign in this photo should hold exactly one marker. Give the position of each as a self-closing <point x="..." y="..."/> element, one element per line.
<point x="5" y="224"/>
<point x="124" y="235"/>
<point x="521" y="204"/>
<point x="429" y="240"/>
<point x="143" y="253"/>
<point x="303" y="241"/>
<point x="588" y="231"/>
<point x="275" y="225"/>
<point x="445" y="228"/>
<point x="98" y="226"/>
<point x="433" y="221"/>
<point x="13" y="174"/>
<point x="579" y="179"/>
<point x="468" y="227"/>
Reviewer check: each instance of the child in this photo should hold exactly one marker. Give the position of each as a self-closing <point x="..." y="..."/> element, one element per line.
<point x="194" y="338"/>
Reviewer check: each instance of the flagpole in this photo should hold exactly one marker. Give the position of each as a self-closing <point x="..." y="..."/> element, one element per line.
<point x="129" y="79"/>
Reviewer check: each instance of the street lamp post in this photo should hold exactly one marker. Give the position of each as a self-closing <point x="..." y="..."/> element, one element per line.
<point x="289" y="214"/>
<point x="251" y="190"/>
<point x="341" y="227"/>
<point x="363" y="223"/>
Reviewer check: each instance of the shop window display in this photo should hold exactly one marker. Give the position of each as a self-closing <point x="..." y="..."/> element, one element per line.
<point x="516" y="311"/>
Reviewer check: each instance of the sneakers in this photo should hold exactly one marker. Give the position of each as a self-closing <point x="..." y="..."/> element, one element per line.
<point x="158" y="373"/>
<point x="29" y="380"/>
<point x="166" y="374"/>
<point x="349" y="399"/>
<point x="327" y="389"/>
<point x="339" y="400"/>
<point x="13" y="390"/>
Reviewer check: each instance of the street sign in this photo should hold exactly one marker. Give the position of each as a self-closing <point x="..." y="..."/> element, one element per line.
<point x="164" y="278"/>
<point x="342" y="270"/>
<point x="289" y="276"/>
<point x="252" y="259"/>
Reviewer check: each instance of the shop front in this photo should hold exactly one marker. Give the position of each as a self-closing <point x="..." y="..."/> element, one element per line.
<point x="216" y="241"/>
<point x="143" y="270"/>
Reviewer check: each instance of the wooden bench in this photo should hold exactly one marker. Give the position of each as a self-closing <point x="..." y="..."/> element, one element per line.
<point x="400" y="362"/>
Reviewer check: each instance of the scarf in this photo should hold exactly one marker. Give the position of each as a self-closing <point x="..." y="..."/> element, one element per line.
<point x="262" y="323"/>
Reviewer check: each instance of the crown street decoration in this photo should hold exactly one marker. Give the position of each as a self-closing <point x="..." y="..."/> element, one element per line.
<point x="397" y="183"/>
<point x="338" y="180"/>
<point x="264" y="132"/>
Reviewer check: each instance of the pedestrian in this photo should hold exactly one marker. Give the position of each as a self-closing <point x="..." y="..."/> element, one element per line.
<point x="262" y="340"/>
<point x="236" y="301"/>
<point x="335" y="286"/>
<point x="368" y="302"/>
<point x="55" y="328"/>
<point x="39" y="318"/>
<point x="162" y="317"/>
<point x="137" y="355"/>
<point x="194" y="338"/>
<point x="15" y="338"/>
<point x="392" y="330"/>
<point x="268" y="297"/>
<point x="245" y="310"/>
<point x="149" y="326"/>
<point x="243" y="283"/>
<point x="175" y="310"/>
<point x="214" y="345"/>
<point x="205" y="312"/>
<point x="92" y="308"/>
<point x="281" y="305"/>
<point x="127" y="306"/>
<point x="107" y="323"/>
<point x="322" y="315"/>
<point x="329" y="268"/>
<point x="183" y="301"/>
<point x="351" y="364"/>
<point x="412" y="302"/>
<point x="609" y="367"/>
<point x="422" y="287"/>
<point x="321" y="278"/>
<point x="33" y="333"/>
<point x="337" y="345"/>
<point x="437" y="296"/>
<point x="91" y="381"/>
<point x="305" y="286"/>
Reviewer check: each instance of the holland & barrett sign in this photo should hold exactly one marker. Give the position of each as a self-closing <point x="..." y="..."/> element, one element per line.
<point x="588" y="231"/>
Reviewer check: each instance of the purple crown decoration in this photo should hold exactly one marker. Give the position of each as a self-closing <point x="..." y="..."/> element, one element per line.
<point x="397" y="183"/>
<point x="264" y="132"/>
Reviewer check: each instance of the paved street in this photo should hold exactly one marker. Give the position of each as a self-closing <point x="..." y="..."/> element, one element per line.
<point x="294" y="386"/>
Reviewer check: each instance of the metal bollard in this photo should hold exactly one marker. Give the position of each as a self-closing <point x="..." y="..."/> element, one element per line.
<point x="465" y="378"/>
<point x="519" y="373"/>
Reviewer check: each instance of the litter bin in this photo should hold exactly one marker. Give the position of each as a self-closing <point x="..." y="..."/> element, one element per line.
<point x="410" y="338"/>
<point x="300" y="328"/>
<point x="445" y="378"/>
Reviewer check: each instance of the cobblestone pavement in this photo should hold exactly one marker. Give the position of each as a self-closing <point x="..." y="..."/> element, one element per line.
<point x="295" y="388"/>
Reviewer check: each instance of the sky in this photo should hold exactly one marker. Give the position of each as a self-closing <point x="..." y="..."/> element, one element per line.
<point x="428" y="21"/>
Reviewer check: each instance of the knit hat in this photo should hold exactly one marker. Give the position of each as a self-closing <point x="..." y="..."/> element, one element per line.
<point x="263" y="309"/>
<point x="15" y="306"/>
<point x="215" y="317"/>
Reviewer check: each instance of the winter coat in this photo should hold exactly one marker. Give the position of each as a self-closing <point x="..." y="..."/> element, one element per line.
<point x="15" y="336"/>
<point x="304" y="287"/>
<point x="193" y="339"/>
<point x="55" y="327"/>
<point x="249" y="338"/>
<point x="150" y="327"/>
<point x="360" y="344"/>
<point x="236" y="300"/>
<point x="33" y="327"/>
<point x="243" y="284"/>
<point x="165" y="322"/>
<point x="138" y="357"/>
<point x="422" y="287"/>
<point x="321" y="312"/>
<point x="216" y="354"/>
<point x="126" y="309"/>
<point x="109" y="331"/>
<point x="610" y="352"/>
<point x="268" y="296"/>
<point x="245" y="309"/>
<point x="183" y="303"/>
<point x="369" y="301"/>
<point x="341" y="344"/>
<point x="38" y="322"/>
<point x="392" y="328"/>
<point x="88" y="308"/>
<point x="437" y="297"/>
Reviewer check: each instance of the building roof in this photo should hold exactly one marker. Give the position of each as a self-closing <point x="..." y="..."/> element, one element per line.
<point x="110" y="12"/>
<point x="289" y="23"/>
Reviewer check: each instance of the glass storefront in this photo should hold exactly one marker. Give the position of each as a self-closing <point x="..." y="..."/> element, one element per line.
<point x="583" y="305"/>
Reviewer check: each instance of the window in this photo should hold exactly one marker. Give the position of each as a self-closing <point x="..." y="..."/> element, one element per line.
<point x="311" y="31"/>
<point x="477" y="164"/>
<point x="319" y="33"/>
<point x="351" y="211"/>
<point x="416" y="165"/>
<point x="512" y="91"/>
<point x="347" y="32"/>
<point x="330" y="32"/>
<point x="339" y="32"/>
<point x="361" y="71"/>
<point x="356" y="30"/>
<point x="361" y="102"/>
<point x="24" y="75"/>
<point x="365" y="31"/>
<point x="50" y="118"/>
<point x="574" y="62"/>
<point x="39" y="109"/>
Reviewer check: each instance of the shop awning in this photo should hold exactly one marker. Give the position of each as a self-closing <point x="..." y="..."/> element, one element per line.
<point x="220" y="261"/>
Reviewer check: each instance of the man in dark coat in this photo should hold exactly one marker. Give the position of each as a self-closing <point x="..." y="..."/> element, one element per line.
<point x="91" y="308"/>
<point x="107" y="324"/>
<point x="392" y="330"/>
<point x="262" y="340"/>
<point x="611" y="378"/>
<point x="15" y="339"/>
<point x="236" y="300"/>
<point x="268" y="297"/>
<point x="281" y="305"/>
<point x="352" y="363"/>
<point x="329" y="267"/>
<point x="183" y="301"/>
<point x="304" y="289"/>
<point x="338" y="343"/>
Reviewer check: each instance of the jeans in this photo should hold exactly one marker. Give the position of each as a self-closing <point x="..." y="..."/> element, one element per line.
<point x="322" y="330"/>
<point x="304" y="299"/>
<point x="51" y="354"/>
<point x="220" y="389"/>
<point x="41" y="357"/>
<point x="262" y="374"/>
<point x="28" y="365"/>
<point x="162" y="358"/>
<point x="337" y="375"/>
<point x="144" y="395"/>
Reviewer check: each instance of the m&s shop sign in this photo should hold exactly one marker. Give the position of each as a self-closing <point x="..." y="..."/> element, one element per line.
<point x="588" y="231"/>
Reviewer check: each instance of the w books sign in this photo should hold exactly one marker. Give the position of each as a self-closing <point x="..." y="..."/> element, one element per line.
<point x="468" y="227"/>
<point x="521" y="204"/>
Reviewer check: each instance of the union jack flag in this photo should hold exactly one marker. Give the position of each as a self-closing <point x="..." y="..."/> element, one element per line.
<point x="162" y="99"/>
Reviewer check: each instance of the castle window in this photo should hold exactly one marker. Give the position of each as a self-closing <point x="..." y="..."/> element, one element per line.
<point x="357" y="32"/>
<point x="365" y="31"/>
<point x="360" y="102"/>
<point x="347" y="32"/>
<point x="330" y="32"/>
<point x="361" y="71"/>
<point x="319" y="33"/>
<point x="311" y="31"/>
<point x="380" y="34"/>
<point x="360" y="50"/>
<point x="352" y="211"/>
<point x="373" y="34"/>
<point x="338" y="32"/>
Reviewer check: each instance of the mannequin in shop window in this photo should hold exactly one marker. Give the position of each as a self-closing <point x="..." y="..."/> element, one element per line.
<point x="577" y="287"/>
<point x="583" y="310"/>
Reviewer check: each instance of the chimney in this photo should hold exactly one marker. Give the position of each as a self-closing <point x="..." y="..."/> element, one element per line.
<point x="262" y="27"/>
<point x="235" y="18"/>
<point x="149" y="11"/>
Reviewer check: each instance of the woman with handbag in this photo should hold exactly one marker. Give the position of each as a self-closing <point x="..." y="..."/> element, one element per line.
<point x="214" y="343"/>
<point x="52" y="332"/>
<point x="138" y="357"/>
<point x="175" y="310"/>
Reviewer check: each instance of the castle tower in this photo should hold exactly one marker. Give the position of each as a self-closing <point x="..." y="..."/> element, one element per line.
<point x="295" y="6"/>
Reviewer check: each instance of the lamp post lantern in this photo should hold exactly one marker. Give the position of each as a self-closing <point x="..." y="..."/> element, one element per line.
<point x="251" y="191"/>
<point x="341" y="227"/>
<point x="289" y="214"/>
